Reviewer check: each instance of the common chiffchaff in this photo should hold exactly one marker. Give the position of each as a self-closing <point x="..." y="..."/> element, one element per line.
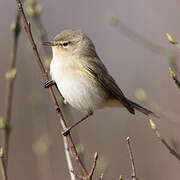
<point x="81" y="76"/>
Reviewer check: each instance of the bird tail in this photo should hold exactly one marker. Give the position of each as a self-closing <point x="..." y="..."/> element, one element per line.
<point x="142" y="109"/>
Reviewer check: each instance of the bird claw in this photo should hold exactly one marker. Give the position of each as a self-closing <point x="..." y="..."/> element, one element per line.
<point x="49" y="83"/>
<point x="65" y="132"/>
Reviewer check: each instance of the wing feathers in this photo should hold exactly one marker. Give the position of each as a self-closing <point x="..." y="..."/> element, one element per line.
<point x="98" y="70"/>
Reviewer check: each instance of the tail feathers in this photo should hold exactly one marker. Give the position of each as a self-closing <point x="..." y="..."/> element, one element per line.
<point x="142" y="109"/>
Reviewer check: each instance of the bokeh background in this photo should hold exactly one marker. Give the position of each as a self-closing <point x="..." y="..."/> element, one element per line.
<point x="130" y="39"/>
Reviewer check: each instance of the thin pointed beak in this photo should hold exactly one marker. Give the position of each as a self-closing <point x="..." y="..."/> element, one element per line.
<point x="49" y="43"/>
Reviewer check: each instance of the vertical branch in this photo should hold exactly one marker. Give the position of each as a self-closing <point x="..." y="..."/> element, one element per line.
<point x="2" y="165"/>
<point x="10" y="75"/>
<point x="68" y="159"/>
<point x="132" y="159"/>
<point x="54" y="100"/>
<point x="34" y="11"/>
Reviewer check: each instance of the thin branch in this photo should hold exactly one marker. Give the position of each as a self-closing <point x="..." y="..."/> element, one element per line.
<point x="91" y="173"/>
<point x="3" y="165"/>
<point x="132" y="159"/>
<point x="10" y="76"/>
<point x="54" y="100"/>
<point x="174" y="77"/>
<point x="34" y="11"/>
<point x="68" y="159"/>
<point x="93" y="165"/>
<point x="171" y="150"/>
<point x="173" y="67"/>
<point x="78" y="175"/>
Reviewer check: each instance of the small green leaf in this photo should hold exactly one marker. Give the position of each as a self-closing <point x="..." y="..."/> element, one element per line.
<point x="38" y="9"/>
<point x="31" y="2"/>
<point x="141" y="95"/>
<point x="170" y="39"/>
<point x="172" y="74"/>
<point x="13" y="26"/>
<point x="42" y="144"/>
<point x="113" y="20"/>
<point x="80" y="148"/>
<point x="11" y="74"/>
<point x="153" y="125"/>
<point x="30" y="11"/>
<point x="2" y="124"/>
<point x="95" y="155"/>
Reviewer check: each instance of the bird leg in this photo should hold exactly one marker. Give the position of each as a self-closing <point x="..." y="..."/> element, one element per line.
<point x="66" y="131"/>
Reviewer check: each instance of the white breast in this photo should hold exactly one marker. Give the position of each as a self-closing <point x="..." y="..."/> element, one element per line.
<point x="79" y="90"/>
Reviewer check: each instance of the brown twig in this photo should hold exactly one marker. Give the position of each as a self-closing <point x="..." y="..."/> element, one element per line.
<point x="10" y="76"/>
<point x="78" y="175"/>
<point x="91" y="173"/>
<point x="171" y="150"/>
<point x="54" y="100"/>
<point x="93" y="166"/>
<point x="34" y="11"/>
<point x="132" y="159"/>
<point x="3" y="165"/>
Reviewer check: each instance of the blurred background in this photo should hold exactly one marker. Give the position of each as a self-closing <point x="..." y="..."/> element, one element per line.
<point x="130" y="39"/>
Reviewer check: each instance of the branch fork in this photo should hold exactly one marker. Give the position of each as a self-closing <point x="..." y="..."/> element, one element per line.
<point x="91" y="173"/>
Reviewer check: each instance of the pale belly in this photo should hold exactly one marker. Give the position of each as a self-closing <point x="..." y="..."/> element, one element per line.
<point x="79" y="89"/>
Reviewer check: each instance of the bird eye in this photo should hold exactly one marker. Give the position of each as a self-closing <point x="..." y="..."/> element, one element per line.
<point x="65" y="44"/>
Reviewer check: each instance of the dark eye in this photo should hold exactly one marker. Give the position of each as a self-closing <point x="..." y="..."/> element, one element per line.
<point x="65" y="44"/>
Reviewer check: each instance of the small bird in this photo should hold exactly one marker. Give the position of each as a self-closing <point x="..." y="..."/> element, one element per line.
<point x="81" y="77"/>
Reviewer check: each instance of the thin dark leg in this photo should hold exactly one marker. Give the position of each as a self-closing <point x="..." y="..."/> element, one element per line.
<point x="65" y="132"/>
<point x="58" y="90"/>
